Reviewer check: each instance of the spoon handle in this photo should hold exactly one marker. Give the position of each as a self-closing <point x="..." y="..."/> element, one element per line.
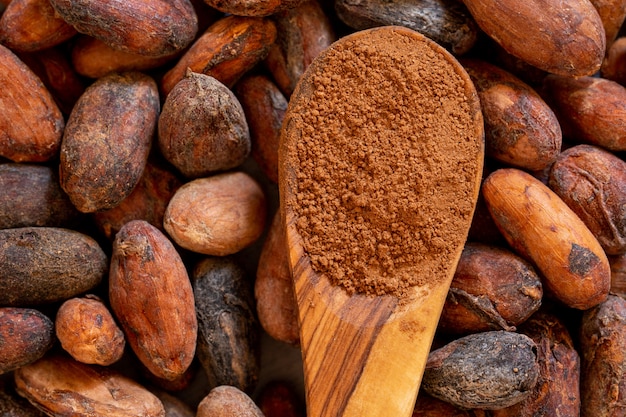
<point x="362" y="356"/>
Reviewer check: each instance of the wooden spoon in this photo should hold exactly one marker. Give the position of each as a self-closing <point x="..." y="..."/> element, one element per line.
<point x="380" y="165"/>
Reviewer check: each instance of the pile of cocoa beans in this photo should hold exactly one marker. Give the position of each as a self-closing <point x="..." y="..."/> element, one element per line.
<point x="143" y="266"/>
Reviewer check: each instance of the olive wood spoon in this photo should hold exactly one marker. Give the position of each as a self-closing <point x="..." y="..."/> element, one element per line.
<point x="364" y="353"/>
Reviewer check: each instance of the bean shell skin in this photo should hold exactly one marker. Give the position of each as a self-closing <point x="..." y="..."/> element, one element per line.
<point x="202" y="127"/>
<point x="488" y="370"/>
<point x="31" y="124"/>
<point x="158" y="28"/>
<point x="107" y="140"/>
<point x="541" y="228"/>
<point x="520" y="128"/>
<point x="228" y="331"/>
<point x="25" y="336"/>
<point x="446" y="22"/>
<point x="61" y="386"/>
<point x="592" y="182"/>
<point x="603" y="355"/>
<point x="148" y="275"/>
<point x="32" y="196"/>
<point x="46" y="264"/>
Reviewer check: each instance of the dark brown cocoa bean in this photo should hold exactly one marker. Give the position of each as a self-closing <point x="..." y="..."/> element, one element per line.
<point x="45" y="264"/>
<point x="202" y="127"/>
<point x="603" y="359"/>
<point x="26" y="335"/>
<point x="264" y="106"/>
<point x="492" y="289"/>
<point x="303" y="32"/>
<point x="32" y="196"/>
<point x="228" y="331"/>
<point x="107" y="140"/>
<point x="488" y="370"/>
<point x="447" y="22"/>
<point x="557" y="392"/>
<point x="592" y="182"/>
<point x="520" y="128"/>
<point x="147" y="275"/>
<point x="157" y="28"/>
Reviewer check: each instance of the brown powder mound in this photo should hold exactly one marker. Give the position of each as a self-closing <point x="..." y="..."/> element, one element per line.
<point x="385" y="139"/>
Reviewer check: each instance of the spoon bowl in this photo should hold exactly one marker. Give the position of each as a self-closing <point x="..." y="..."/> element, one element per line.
<point x="380" y="164"/>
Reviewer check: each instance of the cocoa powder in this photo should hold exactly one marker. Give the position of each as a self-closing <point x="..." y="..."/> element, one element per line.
<point x="386" y="162"/>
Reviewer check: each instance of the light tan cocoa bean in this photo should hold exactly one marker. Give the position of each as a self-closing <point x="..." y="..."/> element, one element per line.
<point x="227" y="401"/>
<point x="218" y="215"/>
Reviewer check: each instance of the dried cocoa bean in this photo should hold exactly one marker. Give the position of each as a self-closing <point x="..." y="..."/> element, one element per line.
<point x="557" y="391"/>
<point x="614" y="64"/>
<point x="218" y="215"/>
<point x="264" y="106"/>
<point x="303" y="32"/>
<point x="26" y="335"/>
<point x="31" y="124"/>
<point x="226" y="50"/>
<point x="592" y="182"/>
<point x="542" y="229"/>
<point x="227" y="401"/>
<point x="202" y="127"/>
<point x="447" y="22"/>
<point x="612" y="14"/>
<point x="603" y="359"/>
<point x="45" y="264"/>
<point x="94" y="58"/>
<point x="107" y="140"/>
<point x="87" y="331"/>
<point x="147" y="275"/>
<point x="273" y="288"/>
<point x="32" y="196"/>
<point x="228" y="331"/>
<point x="258" y="8"/>
<point x="33" y="25"/>
<point x="147" y="201"/>
<point x="158" y="28"/>
<point x="492" y="289"/>
<point x="488" y="370"/>
<point x="590" y="109"/>
<point x="61" y="386"/>
<point x="520" y="128"/>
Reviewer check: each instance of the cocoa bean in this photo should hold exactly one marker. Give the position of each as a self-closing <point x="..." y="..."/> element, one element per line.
<point x="227" y="401"/>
